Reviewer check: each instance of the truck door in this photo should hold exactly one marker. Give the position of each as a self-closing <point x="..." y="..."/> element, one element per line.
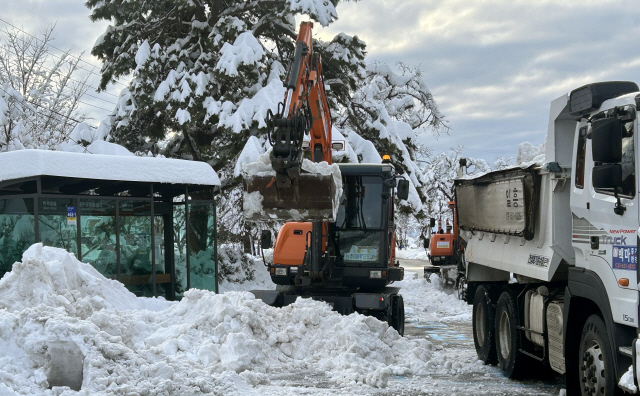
<point x="612" y="245"/>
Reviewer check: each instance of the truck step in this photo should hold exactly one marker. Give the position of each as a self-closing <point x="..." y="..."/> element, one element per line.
<point x="626" y="350"/>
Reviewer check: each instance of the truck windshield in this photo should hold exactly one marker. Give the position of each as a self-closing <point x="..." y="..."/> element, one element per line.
<point x="361" y="203"/>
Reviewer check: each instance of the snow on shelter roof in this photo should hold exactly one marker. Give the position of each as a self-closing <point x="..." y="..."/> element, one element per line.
<point x="30" y="163"/>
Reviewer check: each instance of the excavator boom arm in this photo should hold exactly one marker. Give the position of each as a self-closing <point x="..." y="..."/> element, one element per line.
<point x="293" y="193"/>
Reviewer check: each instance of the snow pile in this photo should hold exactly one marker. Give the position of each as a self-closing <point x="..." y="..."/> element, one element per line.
<point x="529" y="154"/>
<point x="252" y="150"/>
<point x="626" y="381"/>
<point x="434" y="302"/>
<point x="205" y="344"/>
<point x="55" y="278"/>
<point x="411" y="254"/>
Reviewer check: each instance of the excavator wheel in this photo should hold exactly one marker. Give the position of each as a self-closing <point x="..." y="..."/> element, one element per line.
<point x="397" y="314"/>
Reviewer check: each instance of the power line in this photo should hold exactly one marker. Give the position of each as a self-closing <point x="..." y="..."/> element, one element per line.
<point x="52" y="46"/>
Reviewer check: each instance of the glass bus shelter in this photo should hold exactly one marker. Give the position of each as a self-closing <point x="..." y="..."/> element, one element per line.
<point x="158" y="239"/>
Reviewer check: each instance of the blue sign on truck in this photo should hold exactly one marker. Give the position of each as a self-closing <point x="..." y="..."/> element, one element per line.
<point x="625" y="257"/>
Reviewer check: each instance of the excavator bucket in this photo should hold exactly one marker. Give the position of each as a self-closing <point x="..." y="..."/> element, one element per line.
<point x="310" y="197"/>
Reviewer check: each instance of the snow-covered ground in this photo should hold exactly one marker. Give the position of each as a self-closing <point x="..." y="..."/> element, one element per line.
<point x="225" y="344"/>
<point x="411" y="254"/>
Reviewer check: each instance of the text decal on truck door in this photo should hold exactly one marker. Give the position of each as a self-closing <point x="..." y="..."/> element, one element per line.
<point x="625" y="257"/>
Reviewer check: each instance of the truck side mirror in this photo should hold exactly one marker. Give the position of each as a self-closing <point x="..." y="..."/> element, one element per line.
<point x="403" y="189"/>
<point x="606" y="144"/>
<point x="265" y="239"/>
<point x="432" y="222"/>
<point x="426" y="243"/>
<point x="607" y="176"/>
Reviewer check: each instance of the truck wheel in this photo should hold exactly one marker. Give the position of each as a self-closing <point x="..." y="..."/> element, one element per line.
<point x="461" y="288"/>
<point x="484" y="312"/>
<point x="508" y="342"/>
<point x="596" y="372"/>
<point x="397" y="314"/>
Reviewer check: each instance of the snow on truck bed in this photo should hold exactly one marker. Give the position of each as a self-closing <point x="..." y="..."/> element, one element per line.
<point x="205" y="344"/>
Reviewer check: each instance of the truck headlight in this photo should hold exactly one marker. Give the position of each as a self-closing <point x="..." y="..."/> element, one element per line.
<point x="375" y="274"/>
<point x="294" y="270"/>
<point x="281" y="271"/>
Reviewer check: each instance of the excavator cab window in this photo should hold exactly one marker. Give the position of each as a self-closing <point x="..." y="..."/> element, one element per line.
<point x="358" y="228"/>
<point x="360" y="205"/>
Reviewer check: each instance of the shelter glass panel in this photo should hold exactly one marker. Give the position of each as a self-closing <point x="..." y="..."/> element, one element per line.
<point x="163" y="275"/>
<point x="58" y="223"/>
<point x="180" y="248"/>
<point x="135" y="246"/>
<point x="98" y="239"/>
<point x="202" y="246"/>
<point x="17" y="230"/>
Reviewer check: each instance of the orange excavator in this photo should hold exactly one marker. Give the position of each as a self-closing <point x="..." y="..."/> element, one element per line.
<point x="343" y="252"/>
<point x="446" y="256"/>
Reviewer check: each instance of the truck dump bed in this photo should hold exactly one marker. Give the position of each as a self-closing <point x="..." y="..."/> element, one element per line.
<point x="516" y="220"/>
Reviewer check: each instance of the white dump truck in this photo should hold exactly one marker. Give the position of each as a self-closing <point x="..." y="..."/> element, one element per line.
<point x="550" y="249"/>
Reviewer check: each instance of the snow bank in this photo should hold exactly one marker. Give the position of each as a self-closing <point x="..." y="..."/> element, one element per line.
<point x="626" y="381"/>
<point x="435" y="302"/>
<point x="55" y="278"/>
<point x="411" y="254"/>
<point x="205" y="344"/>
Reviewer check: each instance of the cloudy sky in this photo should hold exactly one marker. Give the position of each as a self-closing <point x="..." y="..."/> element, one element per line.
<point x="493" y="65"/>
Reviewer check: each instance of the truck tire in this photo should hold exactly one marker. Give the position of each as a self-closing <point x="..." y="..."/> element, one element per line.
<point x="484" y="312"/>
<point x="596" y="371"/>
<point x="461" y="287"/>
<point x="508" y="341"/>
<point x="397" y="314"/>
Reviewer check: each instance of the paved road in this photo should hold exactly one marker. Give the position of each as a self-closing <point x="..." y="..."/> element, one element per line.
<point x="414" y="266"/>
<point x="453" y="339"/>
<point x="456" y="340"/>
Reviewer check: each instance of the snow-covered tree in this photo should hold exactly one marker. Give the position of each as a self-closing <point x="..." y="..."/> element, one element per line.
<point x="40" y="91"/>
<point x="388" y="111"/>
<point x="205" y="73"/>
<point x="439" y="172"/>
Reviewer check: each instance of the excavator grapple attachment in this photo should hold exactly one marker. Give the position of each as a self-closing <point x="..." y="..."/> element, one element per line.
<point x="307" y="197"/>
